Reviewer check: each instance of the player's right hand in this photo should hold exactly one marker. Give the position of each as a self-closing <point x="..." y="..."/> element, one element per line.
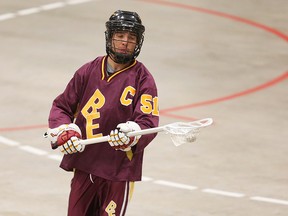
<point x="66" y="137"/>
<point x="71" y="146"/>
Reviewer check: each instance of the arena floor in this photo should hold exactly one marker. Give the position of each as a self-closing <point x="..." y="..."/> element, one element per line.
<point x="223" y="59"/>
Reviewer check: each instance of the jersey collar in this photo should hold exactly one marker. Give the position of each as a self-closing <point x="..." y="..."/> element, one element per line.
<point x="103" y="68"/>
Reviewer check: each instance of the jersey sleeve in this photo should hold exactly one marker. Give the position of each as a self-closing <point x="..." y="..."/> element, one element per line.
<point x="64" y="107"/>
<point x="146" y="112"/>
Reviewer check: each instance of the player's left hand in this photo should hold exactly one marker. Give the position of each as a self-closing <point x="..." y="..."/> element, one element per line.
<point x="118" y="138"/>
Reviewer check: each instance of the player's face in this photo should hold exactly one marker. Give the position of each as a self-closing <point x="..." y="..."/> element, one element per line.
<point x="124" y="42"/>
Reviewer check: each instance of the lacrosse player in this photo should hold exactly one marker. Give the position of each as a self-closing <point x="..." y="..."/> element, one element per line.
<point x="111" y="95"/>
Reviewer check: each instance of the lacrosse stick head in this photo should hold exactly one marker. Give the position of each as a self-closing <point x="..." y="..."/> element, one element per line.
<point x="183" y="133"/>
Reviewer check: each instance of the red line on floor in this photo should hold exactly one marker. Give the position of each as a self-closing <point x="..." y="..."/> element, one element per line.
<point x="229" y="97"/>
<point x="29" y="127"/>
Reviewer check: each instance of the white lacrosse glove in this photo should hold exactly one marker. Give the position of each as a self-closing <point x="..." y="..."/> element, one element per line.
<point x="118" y="138"/>
<point x="66" y="137"/>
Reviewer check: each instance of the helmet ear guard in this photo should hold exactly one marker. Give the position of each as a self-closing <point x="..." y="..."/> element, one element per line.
<point x="124" y="21"/>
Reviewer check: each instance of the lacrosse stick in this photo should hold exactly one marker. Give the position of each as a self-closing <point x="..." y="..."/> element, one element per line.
<point x="180" y="132"/>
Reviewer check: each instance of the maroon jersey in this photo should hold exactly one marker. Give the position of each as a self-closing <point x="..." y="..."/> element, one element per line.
<point x="97" y="103"/>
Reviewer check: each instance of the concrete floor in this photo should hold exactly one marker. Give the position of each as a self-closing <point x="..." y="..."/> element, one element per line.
<point x="221" y="59"/>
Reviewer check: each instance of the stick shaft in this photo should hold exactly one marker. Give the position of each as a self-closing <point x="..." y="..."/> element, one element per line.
<point x="130" y="134"/>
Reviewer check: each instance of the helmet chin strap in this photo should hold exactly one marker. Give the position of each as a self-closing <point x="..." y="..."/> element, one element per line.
<point x="119" y="57"/>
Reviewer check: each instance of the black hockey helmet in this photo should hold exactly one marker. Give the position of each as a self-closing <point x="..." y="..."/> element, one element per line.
<point x="124" y="21"/>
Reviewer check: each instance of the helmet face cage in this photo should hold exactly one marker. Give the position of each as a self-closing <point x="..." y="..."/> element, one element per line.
<point x="124" y="21"/>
